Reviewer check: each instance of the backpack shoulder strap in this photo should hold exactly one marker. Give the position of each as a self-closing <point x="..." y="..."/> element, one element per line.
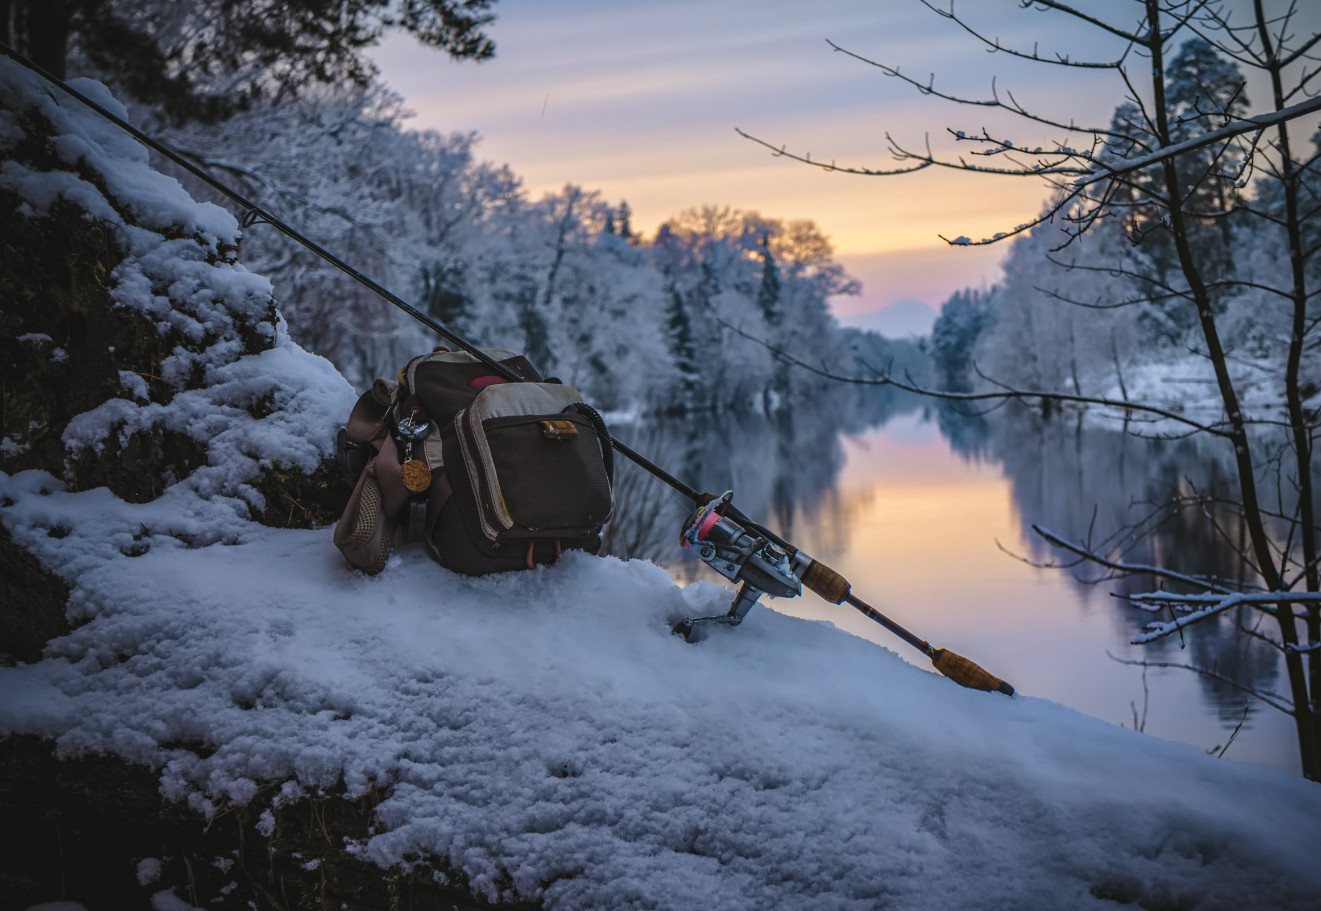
<point x="367" y="420"/>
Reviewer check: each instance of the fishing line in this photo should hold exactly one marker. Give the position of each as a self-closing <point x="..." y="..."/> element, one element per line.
<point x="254" y="214"/>
<point x="721" y="534"/>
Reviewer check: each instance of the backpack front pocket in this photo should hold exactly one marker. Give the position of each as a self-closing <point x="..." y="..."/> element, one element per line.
<point x="534" y="473"/>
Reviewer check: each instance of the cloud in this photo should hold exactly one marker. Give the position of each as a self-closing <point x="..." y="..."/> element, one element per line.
<point x="640" y="102"/>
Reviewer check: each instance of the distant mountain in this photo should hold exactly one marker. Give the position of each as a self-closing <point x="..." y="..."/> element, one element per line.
<point x="899" y="320"/>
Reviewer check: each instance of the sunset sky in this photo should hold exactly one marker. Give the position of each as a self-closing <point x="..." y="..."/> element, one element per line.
<point x="641" y="100"/>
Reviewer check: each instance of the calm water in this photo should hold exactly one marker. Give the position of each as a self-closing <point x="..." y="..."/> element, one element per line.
<point x="929" y="514"/>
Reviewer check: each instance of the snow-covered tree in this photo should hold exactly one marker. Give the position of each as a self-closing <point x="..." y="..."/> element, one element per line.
<point x="211" y="58"/>
<point x="962" y="319"/>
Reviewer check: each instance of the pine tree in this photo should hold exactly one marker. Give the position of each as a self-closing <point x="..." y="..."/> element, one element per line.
<point x="625" y="229"/>
<point x="668" y="255"/>
<point x="206" y="59"/>
<point x="1204" y="89"/>
<point x="682" y="347"/>
<point x="770" y="291"/>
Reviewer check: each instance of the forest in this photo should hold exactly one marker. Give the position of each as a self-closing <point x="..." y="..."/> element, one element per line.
<point x="293" y="116"/>
<point x="1098" y="312"/>
<point x="678" y="322"/>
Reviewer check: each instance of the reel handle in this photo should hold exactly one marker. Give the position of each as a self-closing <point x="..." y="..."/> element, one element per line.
<point x="834" y="588"/>
<point x="968" y="673"/>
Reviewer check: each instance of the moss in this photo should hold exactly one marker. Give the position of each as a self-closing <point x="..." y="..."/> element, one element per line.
<point x="89" y="821"/>
<point x="295" y="499"/>
<point x="35" y="603"/>
<point x="54" y="274"/>
<point x="138" y="469"/>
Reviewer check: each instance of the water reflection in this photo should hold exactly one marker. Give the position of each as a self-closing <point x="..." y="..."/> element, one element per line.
<point x="909" y="498"/>
<point x="1138" y="501"/>
<point x="783" y="468"/>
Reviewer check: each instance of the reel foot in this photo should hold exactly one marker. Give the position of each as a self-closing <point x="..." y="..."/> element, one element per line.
<point x="684" y="628"/>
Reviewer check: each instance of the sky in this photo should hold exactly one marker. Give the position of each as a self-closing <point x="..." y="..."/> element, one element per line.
<point x="641" y="100"/>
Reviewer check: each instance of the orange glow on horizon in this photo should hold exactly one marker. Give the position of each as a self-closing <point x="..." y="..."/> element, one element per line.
<point x="641" y="104"/>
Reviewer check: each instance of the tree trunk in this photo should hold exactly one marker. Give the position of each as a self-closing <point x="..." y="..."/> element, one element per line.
<point x="1298" y="422"/>
<point x="1305" y="720"/>
<point x="47" y="34"/>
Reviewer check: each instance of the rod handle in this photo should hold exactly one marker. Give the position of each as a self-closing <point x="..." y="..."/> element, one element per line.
<point x="826" y="582"/>
<point x="968" y="673"/>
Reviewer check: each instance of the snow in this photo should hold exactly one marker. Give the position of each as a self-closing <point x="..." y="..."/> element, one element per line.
<point x="240" y="444"/>
<point x="168" y="901"/>
<point x="543" y="731"/>
<point x="149" y="870"/>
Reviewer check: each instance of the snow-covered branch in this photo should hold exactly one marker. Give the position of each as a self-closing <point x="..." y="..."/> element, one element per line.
<point x="1107" y="169"/>
<point x="1199" y="607"/>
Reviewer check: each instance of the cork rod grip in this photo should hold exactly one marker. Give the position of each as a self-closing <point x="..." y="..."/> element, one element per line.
<point x="826" y="582"/>
<point x="967" y="673"/>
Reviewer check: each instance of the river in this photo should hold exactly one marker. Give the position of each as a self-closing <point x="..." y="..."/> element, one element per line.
<point x="929" y="513"/>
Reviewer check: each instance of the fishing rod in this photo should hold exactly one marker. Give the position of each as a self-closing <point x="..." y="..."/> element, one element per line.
<point x="721" y="535"/>
<point x="255" y="215"/>
<point x="765" y="564"/>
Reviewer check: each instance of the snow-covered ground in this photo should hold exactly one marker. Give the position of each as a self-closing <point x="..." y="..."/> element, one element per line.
<point x="543" y="731"/>
<point x="548" y="727"/>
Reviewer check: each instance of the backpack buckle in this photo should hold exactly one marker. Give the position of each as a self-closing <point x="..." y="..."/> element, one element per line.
<point x="559" y="429"/>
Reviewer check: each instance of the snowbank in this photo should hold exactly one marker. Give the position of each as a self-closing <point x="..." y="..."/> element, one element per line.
<point x="193" y="346"/>
<point x="547" y="734"/>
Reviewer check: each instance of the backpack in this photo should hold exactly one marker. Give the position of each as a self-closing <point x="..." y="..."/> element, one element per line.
<point x="491" y="475"/>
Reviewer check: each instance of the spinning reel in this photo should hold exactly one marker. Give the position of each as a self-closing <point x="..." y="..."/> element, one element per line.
<point x="742" y="554"/>
<point x="765" y="564"/>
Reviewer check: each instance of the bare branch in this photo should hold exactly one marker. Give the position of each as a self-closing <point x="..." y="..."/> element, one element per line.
<point x="881" y="378"/>
<point x="1131" y="37"/>
<point x="1128" y="568"/>
<point x="1301" y="52"/>
<point x="995" y="46"/>
<point x="929" y="88"/>
<point x="1274" y="700"/>
<point x="1102" y="168"/>
<point x="1232" y="737"/>
<point x="780" y="152"/>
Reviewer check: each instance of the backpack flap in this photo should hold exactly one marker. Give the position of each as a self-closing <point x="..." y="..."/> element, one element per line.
<point x="535" y="470"/>
<point x="447" y="381"/>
